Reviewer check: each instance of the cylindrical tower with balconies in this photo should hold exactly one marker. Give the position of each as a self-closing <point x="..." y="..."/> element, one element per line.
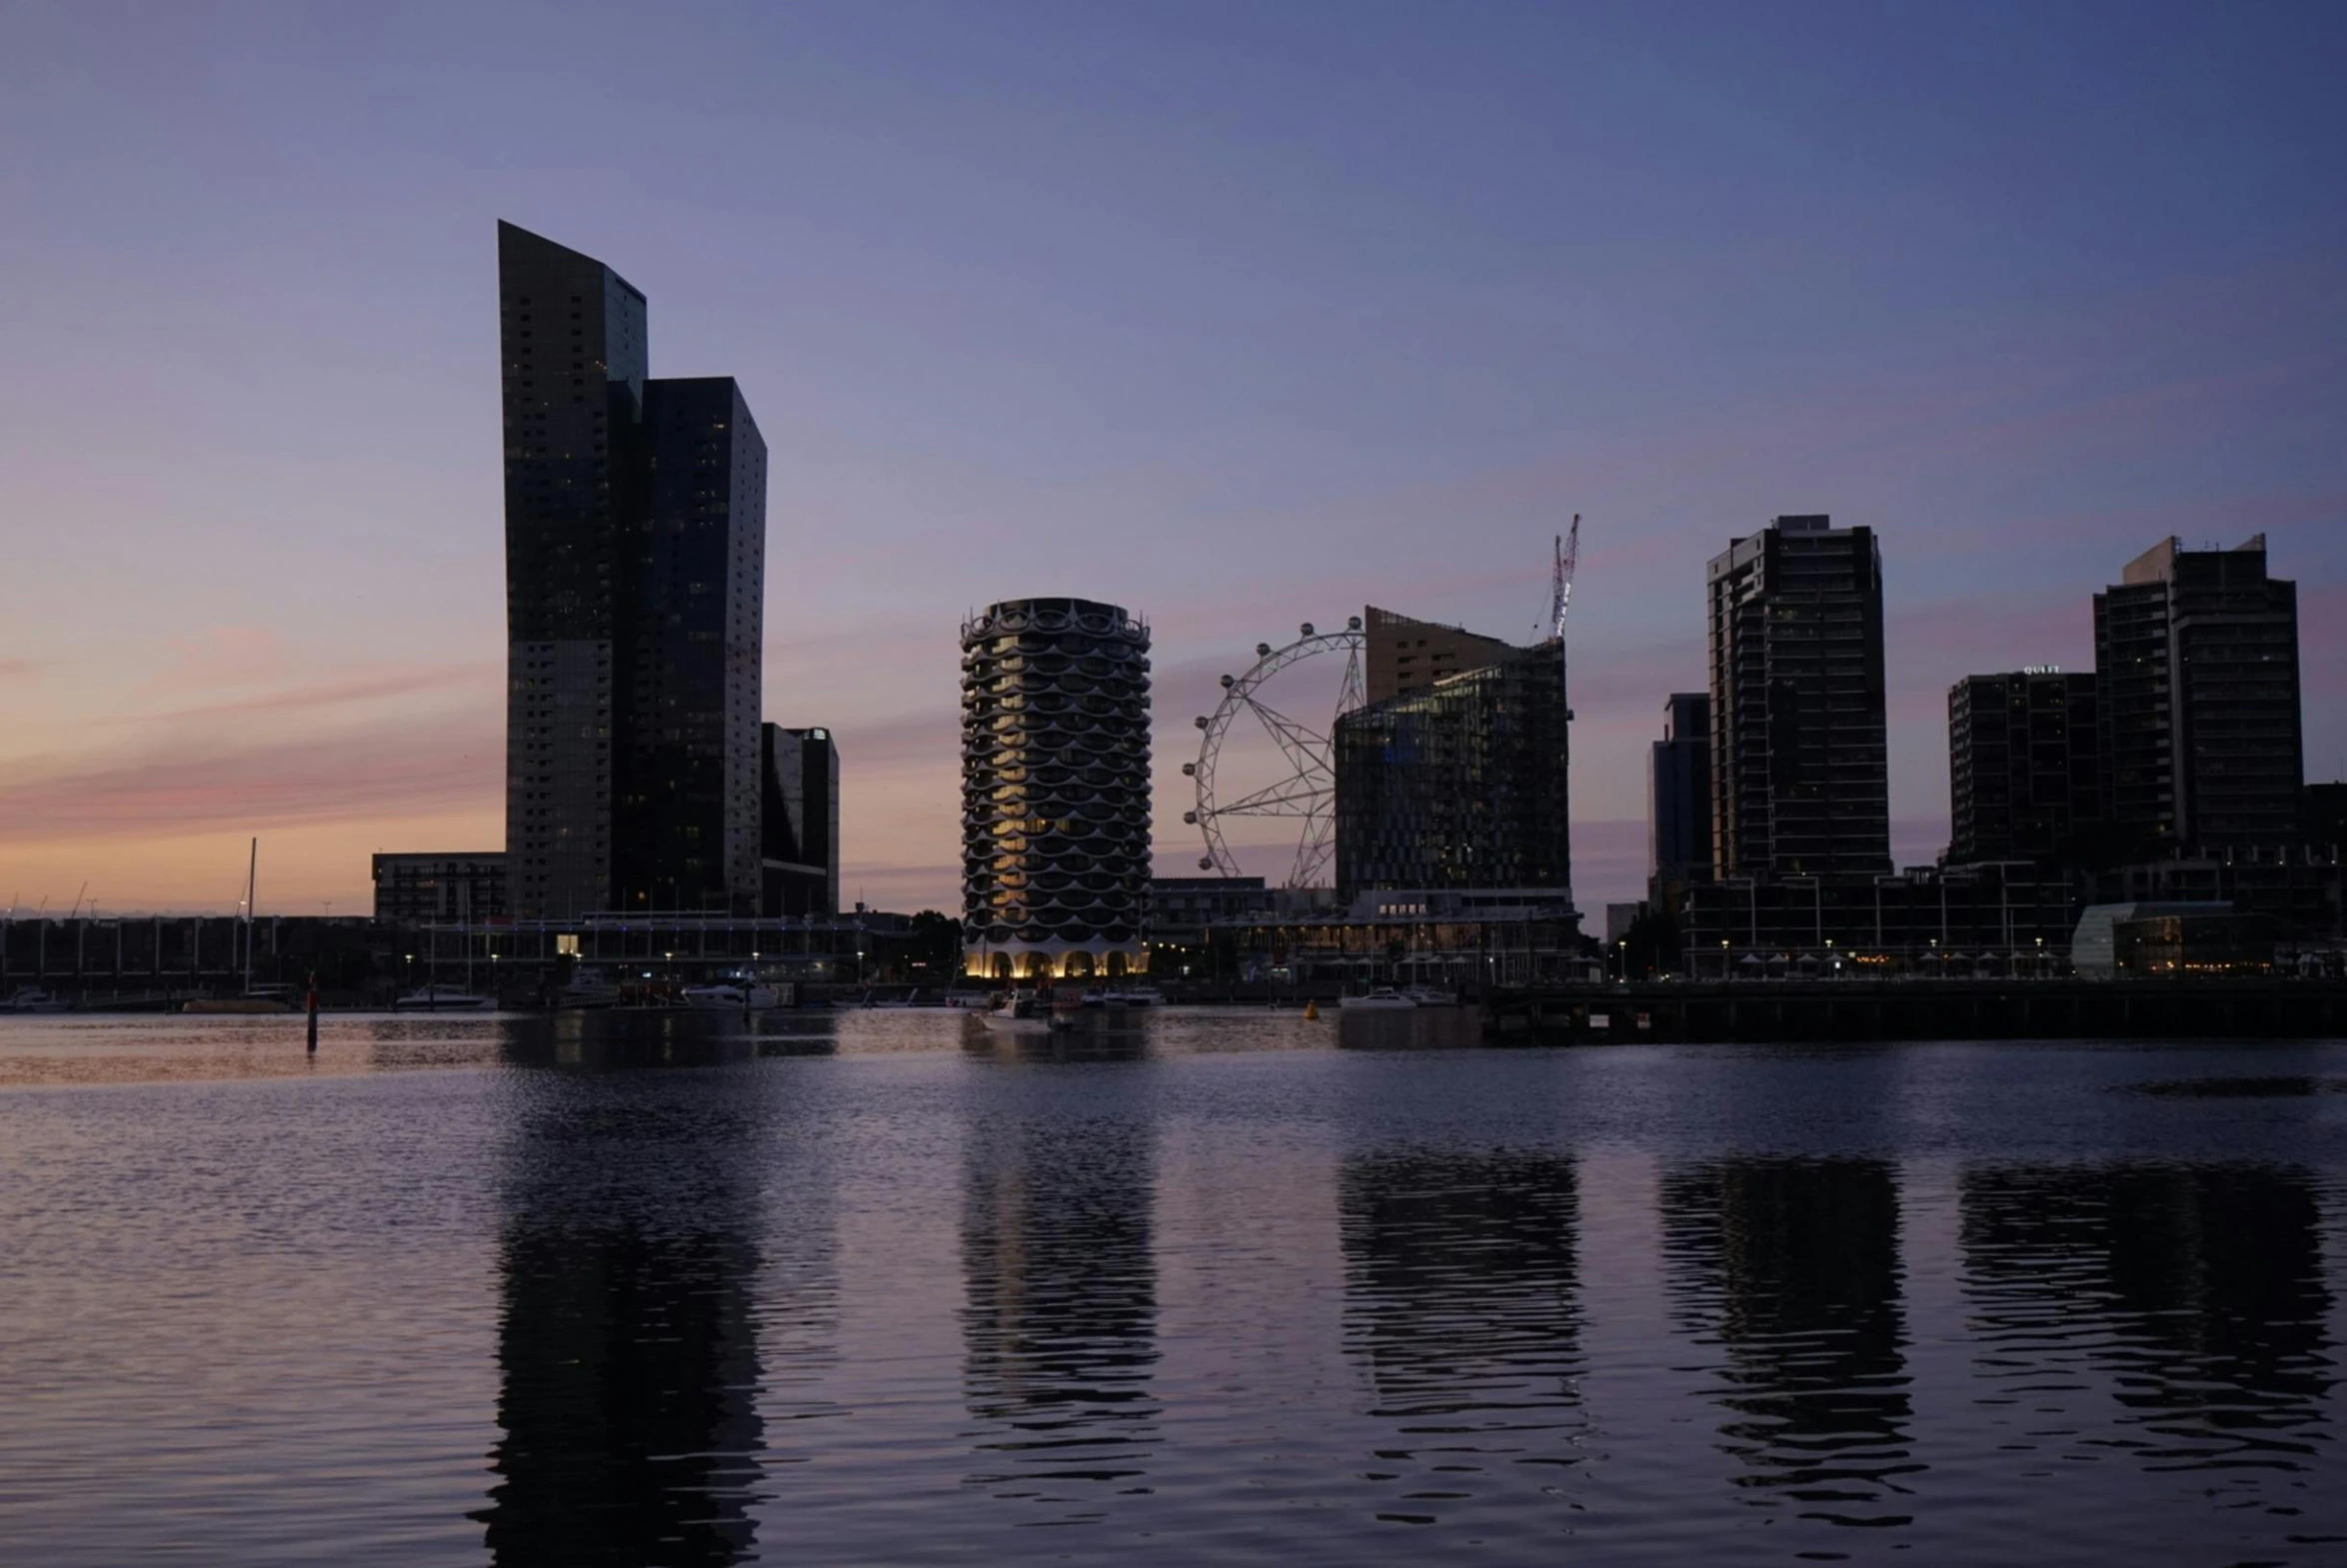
<point x="1055" y="790"/>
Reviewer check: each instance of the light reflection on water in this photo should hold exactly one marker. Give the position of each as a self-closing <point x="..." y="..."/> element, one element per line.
<point x="887" y="1289"/>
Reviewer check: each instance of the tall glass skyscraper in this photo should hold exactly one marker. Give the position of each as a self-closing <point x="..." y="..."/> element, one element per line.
<point x="1055" y="790"/>
<point x="635" y="594"/>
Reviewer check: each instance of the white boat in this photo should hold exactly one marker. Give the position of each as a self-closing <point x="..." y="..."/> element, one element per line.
<point x="1025" y="1013"/>
<point x="32" y="999"/>
<point x="443" y="999"/>
<point x="587" y="986"/>
<point x="1382" y="997"/>
<point x="1128" y="996"/>
<point x="1428" y="997"/>
<point x="730" y="996"/>
<point x="974" y="1000"/>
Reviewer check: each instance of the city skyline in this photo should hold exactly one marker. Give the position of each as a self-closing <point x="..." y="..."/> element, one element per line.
<point x="263" y="594"/>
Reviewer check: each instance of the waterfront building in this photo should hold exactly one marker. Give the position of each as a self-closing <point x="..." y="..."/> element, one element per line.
<point x="1462" y="941"/>
<point x="2300" y="886"/>
<point x="1180" y="907"/>
<point x="634" y="587"/>
<point x="2197" y="652"/>
<point x="1678" y="799"/>
<point x="799" y="819"/>
<point x="1400" y="654"/>
<point x="1460" y="783"/>
<point x="2007" y="918"/>
<point x="1055" y="790"/>
<point x="1800" y="781"/>
<point x="2025" y="768"/>
<point x="414" y="889"/>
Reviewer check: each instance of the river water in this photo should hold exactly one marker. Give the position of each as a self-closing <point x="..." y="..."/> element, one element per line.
<point x="1231" y="1288"/>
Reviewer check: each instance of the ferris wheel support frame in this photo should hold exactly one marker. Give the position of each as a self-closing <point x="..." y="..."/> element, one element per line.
<point x="1308" y="791"/>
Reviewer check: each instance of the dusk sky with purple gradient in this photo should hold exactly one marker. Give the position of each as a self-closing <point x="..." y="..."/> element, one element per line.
<point x="1237" y="315"/>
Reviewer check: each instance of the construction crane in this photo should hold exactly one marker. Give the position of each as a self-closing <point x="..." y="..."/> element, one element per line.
<point x="1568" y="551"/>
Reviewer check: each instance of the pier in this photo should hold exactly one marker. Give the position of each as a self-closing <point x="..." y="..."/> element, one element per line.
<point x="2233" y="1007"/>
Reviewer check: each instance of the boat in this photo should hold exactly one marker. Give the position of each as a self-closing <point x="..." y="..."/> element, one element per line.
<point x="1428" y="997"/>
<point x="32" y="999"/>
<point x="732" y="996"/>
<point x="1117" y="999"/>
<point x="443" y="999"/>
<point x="1382" y="997"/>
<point x="260" y="999"/>
<point x="972" y="999"/>
<point x="1025" y="1013"/>
<point x="587" y="986"/>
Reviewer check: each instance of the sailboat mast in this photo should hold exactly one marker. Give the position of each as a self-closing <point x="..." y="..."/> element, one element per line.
<point x="252" y="882"/>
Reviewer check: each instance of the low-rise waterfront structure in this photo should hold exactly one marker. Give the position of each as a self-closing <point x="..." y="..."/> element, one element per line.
<point x="440" y="886"/>
<point x="2006" y="918"/>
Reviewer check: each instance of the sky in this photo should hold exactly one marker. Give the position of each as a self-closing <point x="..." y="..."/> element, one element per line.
<point x="1239" y="316"/>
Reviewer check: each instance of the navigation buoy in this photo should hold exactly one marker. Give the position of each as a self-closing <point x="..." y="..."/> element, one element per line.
<point x="1311" y="1010"/>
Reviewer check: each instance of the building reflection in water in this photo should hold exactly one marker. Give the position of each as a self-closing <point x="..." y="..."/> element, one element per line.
<point x="629" y="1360"/>
<point x="2192" y="1296"/>
<point x="1793" y="1268"/>
<point x="1060" y="1317"/>
<point x="1463" y="1303"/>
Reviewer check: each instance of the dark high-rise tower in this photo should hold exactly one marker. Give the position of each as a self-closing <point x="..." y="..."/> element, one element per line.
<point x="2196" y="657"/>
<point x="574" y="370"/>
<point x="690" y="730"/>
<point x="2025" y="768"/>
<point x="801" y="821"/>
<point x="1800" y="773"/>
<point x="635" y="576"/>
<point x="1678" y="799"/>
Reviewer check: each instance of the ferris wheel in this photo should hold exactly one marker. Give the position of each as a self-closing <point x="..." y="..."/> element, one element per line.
<point x="1303" y="783"/>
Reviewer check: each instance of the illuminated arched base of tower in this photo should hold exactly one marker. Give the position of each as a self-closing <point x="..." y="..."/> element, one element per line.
<point x="1056" y="960"/>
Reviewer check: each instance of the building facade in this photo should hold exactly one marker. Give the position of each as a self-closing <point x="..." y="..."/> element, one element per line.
<point x="689" y="724"/>
<point x="2002" y="918"/>
<point x="1678" y="799"/>
<point x="416" y="889"/>
<point x="1401" y="654"/>
<point x="635" y="584"/>
<point x="799" y="819"/>
<point x="1459" y="783"/>
<point x="2196" y="655"/>
<point x="1055" y="790"/>
<point x="2025" y="768"/>
<point x="1800" y="779"/>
